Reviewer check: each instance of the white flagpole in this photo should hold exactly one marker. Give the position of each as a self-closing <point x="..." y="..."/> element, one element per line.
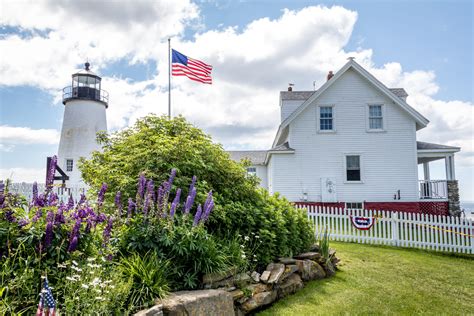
<point x="169" y="78"/>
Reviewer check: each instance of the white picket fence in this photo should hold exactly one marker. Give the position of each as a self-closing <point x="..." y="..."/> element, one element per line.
<point x="433" y="232"/>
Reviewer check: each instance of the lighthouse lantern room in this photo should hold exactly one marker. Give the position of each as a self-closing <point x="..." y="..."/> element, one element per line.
<point x="85" y="105"/>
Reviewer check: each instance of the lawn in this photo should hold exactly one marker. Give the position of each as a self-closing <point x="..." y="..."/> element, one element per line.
<point x="385" y="280"/>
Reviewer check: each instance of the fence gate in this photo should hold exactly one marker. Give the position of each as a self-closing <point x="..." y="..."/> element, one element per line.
<point x="425" y="231"/>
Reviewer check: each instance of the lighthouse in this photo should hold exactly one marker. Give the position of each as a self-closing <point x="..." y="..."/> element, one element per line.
<point x="85" y="104"/>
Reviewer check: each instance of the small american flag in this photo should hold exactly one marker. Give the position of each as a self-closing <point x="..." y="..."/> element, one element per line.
<point x="192" y="68"/>
<point x="47" y="305"/>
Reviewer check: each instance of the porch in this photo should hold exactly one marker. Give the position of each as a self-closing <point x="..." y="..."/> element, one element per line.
<point x="438" y="188"/>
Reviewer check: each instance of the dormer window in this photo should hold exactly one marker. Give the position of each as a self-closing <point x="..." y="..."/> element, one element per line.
<point x="376" y="118"/>
<point x="252" y="171"/>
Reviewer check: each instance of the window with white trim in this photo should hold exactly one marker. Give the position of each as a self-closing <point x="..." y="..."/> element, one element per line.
<point x="375" y="117"/>
<point x="69" y="164"/>
<point x="326" y="118"/>
<point x="354" y="205"/>
<point x="252" y="171"/>
<point x="353" y="168"/>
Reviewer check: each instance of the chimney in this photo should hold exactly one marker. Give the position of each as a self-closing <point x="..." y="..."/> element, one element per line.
<point x="290" y="86"/>
<point x="330" y="75"/>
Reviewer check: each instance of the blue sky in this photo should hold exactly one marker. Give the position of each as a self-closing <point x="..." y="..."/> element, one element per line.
<point x="424" y="46"/>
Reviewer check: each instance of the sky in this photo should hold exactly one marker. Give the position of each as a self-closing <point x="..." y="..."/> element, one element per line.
<point x="256" y="49"/>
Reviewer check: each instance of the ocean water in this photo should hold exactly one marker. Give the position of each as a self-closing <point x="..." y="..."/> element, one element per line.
<point x="468" y="207"/>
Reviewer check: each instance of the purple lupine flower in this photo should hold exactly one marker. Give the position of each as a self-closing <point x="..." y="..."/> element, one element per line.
<point x="50" y="173"/>
<point x="9" y="216"/>
<point x="48" y="238"/>
<point x="207" y="211"/>
<point x="175" y="203"/>
<point x="59" y="218"/>
<point x="107" y="231"/>
<point x="190" y="201"/>
<point x="23" y="222"/>
<point x="110" y="257"/>
<point x="208" y="200"/>
<point x="100" y="218"/>
<point x="38" y="214"/>
<point x="35" y="194"/>
<point x="74" y="236"/>
<point x="82" y="199"/>
<point x="53" y="199"/>
<point x="101" y="196"/>
<point x="172" y="176"/>
<point x="193" y="183"/>
<point x="70" y="203"/>
<point x="118" y="203"/>
<point x="41" y="200"/>
<point x="197" y="217"/>
<point x="149" y="196"/>
<point x="131" y="207"/>
<point x="2" y="194"/>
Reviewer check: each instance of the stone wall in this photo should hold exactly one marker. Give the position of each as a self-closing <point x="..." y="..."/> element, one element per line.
<point x="232" y="293"/>
<point x="453" y="198"/>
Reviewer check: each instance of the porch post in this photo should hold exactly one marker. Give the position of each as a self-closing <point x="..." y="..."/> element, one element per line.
<point x="449" y="164"/>
<point x="426" y="171"/>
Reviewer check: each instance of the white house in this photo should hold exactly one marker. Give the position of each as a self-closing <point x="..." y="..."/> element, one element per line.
<point x="353" y="143"/>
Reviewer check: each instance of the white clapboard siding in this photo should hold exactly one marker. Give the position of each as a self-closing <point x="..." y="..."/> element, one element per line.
<point x="425" y="231"/>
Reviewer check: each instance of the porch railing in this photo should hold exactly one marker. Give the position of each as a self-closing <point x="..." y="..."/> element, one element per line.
<point x="433" y="189"/>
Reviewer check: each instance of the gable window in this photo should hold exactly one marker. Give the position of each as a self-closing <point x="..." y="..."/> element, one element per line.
<point x="353" y="168"/>
<point x="354" y="205"/>
<point x="69" y="164"/>
<point x="252" y="171"/>
<point x="326" y="118"/>
<point x="375" y="117"/>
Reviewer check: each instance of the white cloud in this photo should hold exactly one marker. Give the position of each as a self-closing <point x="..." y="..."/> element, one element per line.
<point x="10" y="135"/>
<point x="251" y="64"/>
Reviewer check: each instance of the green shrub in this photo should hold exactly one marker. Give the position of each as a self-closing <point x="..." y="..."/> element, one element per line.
<point x="156" y="144"/>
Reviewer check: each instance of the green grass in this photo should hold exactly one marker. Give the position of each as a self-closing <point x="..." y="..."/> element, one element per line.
<point x="385" y="280"/>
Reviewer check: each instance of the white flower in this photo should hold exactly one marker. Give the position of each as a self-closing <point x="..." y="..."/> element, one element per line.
<point x="252" y="233"/>
<point x="247" y="238"/>
<point x="60" y="265"/>
<point x="70" y="278"/>
<point x="242" y="246"/>
<point x="76" y="276"/>
<point x="254" y="259"/>
<point x="244" y="256"/>
<point x="74" y="262"/>
<point x="90" y="259"/>
<point x="85" y="286"/>
<point x="76" y="268"/>
<point x="103" y="259"/>
<point x="100" y="298"/>
<point x="95" y="281"/>
<point x="108" y="281"/>
<point x="97" y="290"/>
<point x="257" y="236"/>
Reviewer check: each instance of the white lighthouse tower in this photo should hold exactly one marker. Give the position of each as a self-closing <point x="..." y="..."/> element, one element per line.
<point x="84" y="115"/>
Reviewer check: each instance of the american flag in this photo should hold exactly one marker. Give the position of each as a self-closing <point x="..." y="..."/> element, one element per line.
<point x="192" y="68"/>
<point x="46" y="306"/>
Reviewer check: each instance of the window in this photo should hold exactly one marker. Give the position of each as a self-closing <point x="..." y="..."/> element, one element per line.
<point x="353" y="168"/>
<point x="69" y="164"/>
<point x="252" y="171"/>
<point x="354" y="205"/>
<point x="375" y="117"/>
<point x="326" y="117"/>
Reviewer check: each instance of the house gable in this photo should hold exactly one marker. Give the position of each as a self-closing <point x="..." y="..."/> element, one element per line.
<point x="420" y="120"/>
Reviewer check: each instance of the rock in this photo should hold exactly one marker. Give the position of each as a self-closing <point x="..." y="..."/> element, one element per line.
<point x="332" y="252"/>
<point x="236" y="294"/>
<point x="330" y="268"/>
<point x="310" y="270"/>
<point x="308" y="255"/>
<point x="218" y="276"/>
<point x="156" y="310"/>
<point x="226" y="283"/>
<point x="291" y="285"/>
<point x="287" y="260"/>
<point x="276" y="270"/>
<point x="289" y="270"/>
<point x="255" y="276"/>
<point x="258" y="288"/>
<point x="259" y="300"/>
<point x="199" y="303"/>
<point x="230" y="289"/>
<point x="314" y="248"/>
<point x="238" y="312"/>
<point x="242" y="279"/>
<point x="265" y="275"/>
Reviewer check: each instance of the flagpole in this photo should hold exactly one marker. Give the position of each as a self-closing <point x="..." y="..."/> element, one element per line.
<point x="169" y="77"/>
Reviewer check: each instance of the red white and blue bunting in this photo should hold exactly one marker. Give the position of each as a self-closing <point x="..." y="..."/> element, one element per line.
<point x="363" y="223"/>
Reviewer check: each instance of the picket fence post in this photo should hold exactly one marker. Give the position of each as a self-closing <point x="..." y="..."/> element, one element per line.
<point x="394" y="220"/>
